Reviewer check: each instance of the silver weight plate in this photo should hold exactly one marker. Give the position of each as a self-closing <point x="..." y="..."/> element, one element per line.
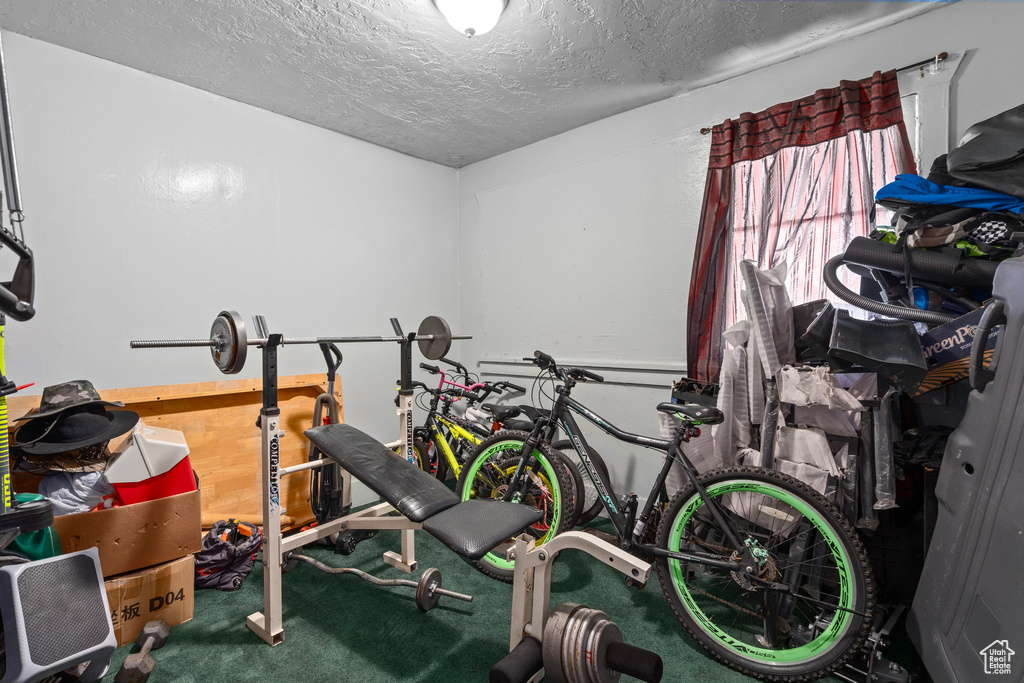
<point x="602" y="635"/>
<point x="434" y="337"/>
<point x="551" y="647"/>
<point x="574" y="645"/>
<point x="426" y="595"/>
<point x="569" y="637"/>
<point x="230" y="342"/>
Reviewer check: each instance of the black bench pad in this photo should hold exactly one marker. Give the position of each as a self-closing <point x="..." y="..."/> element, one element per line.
<point x="408" y="489"/>
<point x="471" y="528"/>
<point x="474" y="527"/>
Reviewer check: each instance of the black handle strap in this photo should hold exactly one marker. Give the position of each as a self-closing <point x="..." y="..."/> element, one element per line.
<point x="16" y="296"/>
<point x="978" y="374"/>
<point x="333" y="357"/>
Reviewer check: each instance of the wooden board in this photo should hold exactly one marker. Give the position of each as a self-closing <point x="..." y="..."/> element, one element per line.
<point x="219" y="422"/>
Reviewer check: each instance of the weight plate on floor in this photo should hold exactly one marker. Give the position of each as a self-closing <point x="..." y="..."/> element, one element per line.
<point x="426" y="589"/>
<point x="434" y="337"/>
<point x="290" y="563"/>
<point x="230" y="342"/>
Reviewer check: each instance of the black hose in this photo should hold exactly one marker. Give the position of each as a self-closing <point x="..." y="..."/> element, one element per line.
<point x="831" y="275"/>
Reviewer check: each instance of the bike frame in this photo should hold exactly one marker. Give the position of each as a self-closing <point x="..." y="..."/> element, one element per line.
<point x="435" y="421"/>
<point x="629" y="528"/>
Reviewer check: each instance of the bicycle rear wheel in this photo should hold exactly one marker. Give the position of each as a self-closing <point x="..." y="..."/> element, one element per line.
<point x="490" y="471"/>
<point x="800" y="633"/>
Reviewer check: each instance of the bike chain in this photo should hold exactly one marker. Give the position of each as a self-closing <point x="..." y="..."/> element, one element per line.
<point x="726" y="602"/>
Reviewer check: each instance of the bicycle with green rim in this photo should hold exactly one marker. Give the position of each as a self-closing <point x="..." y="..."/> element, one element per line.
<point x="757" y="566"/>
<point x="443" y="443"/>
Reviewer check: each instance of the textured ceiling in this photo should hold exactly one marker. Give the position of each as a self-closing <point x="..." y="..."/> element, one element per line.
<point x="394" y="73"/>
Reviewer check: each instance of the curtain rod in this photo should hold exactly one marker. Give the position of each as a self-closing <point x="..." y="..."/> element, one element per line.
<point x="937" y="59"/>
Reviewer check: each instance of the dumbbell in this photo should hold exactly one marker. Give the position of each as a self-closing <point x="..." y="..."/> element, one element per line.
<point x="137" y="667"/>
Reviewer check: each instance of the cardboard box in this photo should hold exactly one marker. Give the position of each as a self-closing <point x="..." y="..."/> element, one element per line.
<point x="163" y="592"/>
<point x="947" y="350"/>
<point x="132" y="536"/>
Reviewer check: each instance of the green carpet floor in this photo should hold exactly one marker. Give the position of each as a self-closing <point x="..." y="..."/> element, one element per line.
<point x="341" y="628"/>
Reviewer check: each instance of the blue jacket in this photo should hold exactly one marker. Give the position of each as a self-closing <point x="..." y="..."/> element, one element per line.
<point x="913" y="189"/>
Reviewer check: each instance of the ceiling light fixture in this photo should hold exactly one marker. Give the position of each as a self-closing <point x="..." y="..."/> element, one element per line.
<point x="471" y="17"/>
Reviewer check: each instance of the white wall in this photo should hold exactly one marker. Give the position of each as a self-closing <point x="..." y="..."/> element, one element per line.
<point x="152" y="206"/>
<point x="608" y="213"/>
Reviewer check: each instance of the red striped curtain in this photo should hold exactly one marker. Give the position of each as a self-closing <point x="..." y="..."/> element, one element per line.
<point x="795" y="182"/>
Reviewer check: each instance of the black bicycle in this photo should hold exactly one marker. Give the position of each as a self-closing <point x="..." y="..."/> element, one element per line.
<point x="444" y="441"/>
<point x="758" y="567"/>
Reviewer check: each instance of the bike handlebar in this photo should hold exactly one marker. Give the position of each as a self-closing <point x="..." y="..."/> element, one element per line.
<point x="548" y="363"/>
<point x="462" y="393"/>
<point x="432" y="369"/>
<point x="543" y="358"/>
<point x="457" y="365"/>
<point x="581" y="373"/>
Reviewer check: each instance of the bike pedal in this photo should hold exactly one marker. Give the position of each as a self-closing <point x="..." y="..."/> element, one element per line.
<point x="633" y="583"/>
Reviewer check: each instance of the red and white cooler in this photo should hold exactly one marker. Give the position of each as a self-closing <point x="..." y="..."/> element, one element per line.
<point x="151" y="463"/>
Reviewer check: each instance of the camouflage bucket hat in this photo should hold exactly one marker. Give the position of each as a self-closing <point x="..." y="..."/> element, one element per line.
<point x="73" y="429"/>
<point x="60" y="397"/>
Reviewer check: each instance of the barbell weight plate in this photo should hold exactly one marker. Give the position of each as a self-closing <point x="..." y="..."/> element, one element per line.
<point x="229" y="351"/>
<point x="606" y="633"/>
<point x="574" y="647"/>
<point x="572" y="668"/>
<point x="566" y="654"/>
<point x="551" y="647"/>
<point x="426" y="589"/>
<point x="434" y="337"/>
<point x="601" y="636"/>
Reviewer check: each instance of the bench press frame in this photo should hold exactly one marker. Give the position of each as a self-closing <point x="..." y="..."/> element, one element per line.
<point x="268" y="624"/>
<point x="531" y="592"/>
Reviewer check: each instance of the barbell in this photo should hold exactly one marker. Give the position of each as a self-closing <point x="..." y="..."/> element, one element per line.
<point x="228" y="341"/>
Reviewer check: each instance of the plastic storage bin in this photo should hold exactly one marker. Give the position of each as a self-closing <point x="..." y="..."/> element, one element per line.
<point x="151" y="463"/>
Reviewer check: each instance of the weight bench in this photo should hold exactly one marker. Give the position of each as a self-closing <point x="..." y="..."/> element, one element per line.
<point x="470" y="528"/>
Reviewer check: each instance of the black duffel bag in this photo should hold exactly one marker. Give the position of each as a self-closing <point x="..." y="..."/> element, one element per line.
<point x="228" y="555"/>
<point x="991" y="154"/>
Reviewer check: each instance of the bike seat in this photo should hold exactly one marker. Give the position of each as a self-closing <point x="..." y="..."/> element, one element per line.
<point x="501" y="413"/>
<point x="705" y="414"/>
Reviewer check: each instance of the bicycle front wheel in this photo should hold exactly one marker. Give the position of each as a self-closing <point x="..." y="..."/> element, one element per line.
<point x="591" y="504"/>
<point x="809" y="606"/>
<point x="491" y="470"/>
